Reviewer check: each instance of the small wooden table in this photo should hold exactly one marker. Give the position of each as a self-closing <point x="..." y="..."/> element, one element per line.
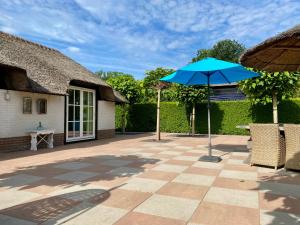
<point x="45" y="135"/>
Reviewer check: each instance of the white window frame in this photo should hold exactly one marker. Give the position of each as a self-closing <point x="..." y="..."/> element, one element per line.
<point x="81" y="137"/>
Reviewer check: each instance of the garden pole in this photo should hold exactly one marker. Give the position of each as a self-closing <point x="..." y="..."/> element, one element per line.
<point x="123" y="118"/>
<point x="208" y="117"/>
<point x="158" y="116"/>
<point x="275" y="108"/>
<point x="193" y="119"/>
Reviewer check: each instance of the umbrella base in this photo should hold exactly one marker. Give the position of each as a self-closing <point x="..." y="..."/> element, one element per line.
<point x="207" y="158"/>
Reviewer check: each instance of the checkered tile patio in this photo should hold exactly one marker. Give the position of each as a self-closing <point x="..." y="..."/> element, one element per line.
<point x="134" y="180"/>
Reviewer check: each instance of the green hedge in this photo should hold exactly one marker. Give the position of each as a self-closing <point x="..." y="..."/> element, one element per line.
<point x="225" y="115"/>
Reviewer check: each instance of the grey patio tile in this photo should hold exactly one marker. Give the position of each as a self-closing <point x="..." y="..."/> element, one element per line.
<point x="242" y="175"/>
<point x="171" y="152"/>
<point x="76" y="176"/>
<point x="169" y="207"/>
<point x="234" y="197"/>
<point x="245" y="154"/>
<point x="116" y="162"/>
<point x="170" y="168"/>
<point x="143" y="185"/>
<point x="8" y="220"/>
<point x="125" y="171"/>
<point x="183" y="147"/>
<point x="208" y="165"/>
<point x="98" y="215"/>
<point x="19" y="180"/>
<point x="280" y="218"/>
<point x="79" y="192"/>
<point x="187" y="158"/>
<point x="14" y="197"/>
<point x="88" y="214"/>
<point x="194" y="179"/>
<point x="72" y="165"/>
<point x="236" y="162"/>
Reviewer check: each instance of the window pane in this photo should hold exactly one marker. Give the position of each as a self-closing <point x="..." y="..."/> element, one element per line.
<point x="85" y="98"/>
<point x="71" y="113"/>
<point x="90" y="128"/>
<point x="91" y="113"/>
<point x="77" y="113"/>
<point x="77" y="129"/>
<point x="91" y="100"/>
<point x="85" y="128"/>
<point x="71" y="96"/>
<point x="77" y="97"/>
<point x="85" y="113"/>
<point x="70" y="129"/>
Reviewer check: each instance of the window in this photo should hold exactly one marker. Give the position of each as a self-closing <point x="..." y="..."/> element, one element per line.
<point x="27" y="105"/>
<point x="41" y="106"/>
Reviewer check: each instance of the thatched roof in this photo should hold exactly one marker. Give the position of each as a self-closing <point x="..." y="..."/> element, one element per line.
<point x="278" y="53"/>
<point x="48" y="70"/>
<point x="120" y="98"/>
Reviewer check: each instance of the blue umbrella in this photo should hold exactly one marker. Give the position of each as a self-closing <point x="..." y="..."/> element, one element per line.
<point x="209" y="71"/>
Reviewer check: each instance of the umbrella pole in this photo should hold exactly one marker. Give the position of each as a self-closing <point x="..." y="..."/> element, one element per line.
<point x="208" y="116"/>
<point x="209" y="157"/>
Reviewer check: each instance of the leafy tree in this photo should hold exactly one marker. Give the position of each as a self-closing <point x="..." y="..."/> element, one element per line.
<point x="270" y="87"/>
<point x="110" y="74"/>
<point x="189" y="96"/>
<point x="227" y="50"/>
<point x="127" y="86"/>
<point x="150" y="83"/>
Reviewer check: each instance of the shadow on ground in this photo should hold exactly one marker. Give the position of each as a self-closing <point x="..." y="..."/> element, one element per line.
<point x="73" y="185"/>
<point x="282" y="203"/>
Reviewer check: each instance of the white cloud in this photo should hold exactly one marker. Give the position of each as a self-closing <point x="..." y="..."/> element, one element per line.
<point x="73" y="49"/>
<point x="151" y="32"/>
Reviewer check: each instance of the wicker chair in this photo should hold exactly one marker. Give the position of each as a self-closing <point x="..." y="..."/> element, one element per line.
<point x="292" y="137"/>
<point x="268" y="146"/>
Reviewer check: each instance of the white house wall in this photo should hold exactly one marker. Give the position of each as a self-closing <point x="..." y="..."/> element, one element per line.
<point x="106" y="115"/>
<point x="14" y="123"/>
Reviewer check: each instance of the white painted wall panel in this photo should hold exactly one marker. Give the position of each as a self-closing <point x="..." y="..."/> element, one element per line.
<point x="106" y="115"/>
<point x="14" y="123"/>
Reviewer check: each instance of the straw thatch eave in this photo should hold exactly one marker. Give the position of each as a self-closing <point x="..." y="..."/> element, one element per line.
<point x="278" y="53"/>
<point x="48" y="71"/>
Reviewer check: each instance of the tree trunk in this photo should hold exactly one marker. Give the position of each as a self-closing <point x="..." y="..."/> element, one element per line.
<point x="193" y="120"/>
<point x="275" y="110"/>
<point x="123" y="118"/>
<point x="158" y="116"/>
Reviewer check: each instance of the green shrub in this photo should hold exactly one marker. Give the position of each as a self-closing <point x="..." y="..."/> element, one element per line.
<point x="225" y="116"/>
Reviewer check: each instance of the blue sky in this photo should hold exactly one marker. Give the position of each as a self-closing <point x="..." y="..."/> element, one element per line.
<point x="132" y="36"/>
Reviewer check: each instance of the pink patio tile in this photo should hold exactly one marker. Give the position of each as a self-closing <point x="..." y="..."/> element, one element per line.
<point x="159" y="175"/>
<point x="183" y="190"/>
<point x="180" y="162"/>
<point x="240" y="167"/>
<point x="236" y="184"/>
<point x="135" y="218"/>
<point x="124" y="199"/>
<point x="202" y="171"/>
<point x="214" y="214"/>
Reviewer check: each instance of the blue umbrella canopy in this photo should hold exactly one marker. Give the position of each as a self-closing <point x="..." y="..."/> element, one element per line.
<point x="218" y="72"/>
<point x="209" y="71"/>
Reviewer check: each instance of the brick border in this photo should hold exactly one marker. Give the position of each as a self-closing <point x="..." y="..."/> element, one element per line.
<point x="101" y="134"/>
<point x="23" y="143"/>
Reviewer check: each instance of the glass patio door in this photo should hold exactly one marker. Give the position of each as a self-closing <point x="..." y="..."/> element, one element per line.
<point x="80" y="114"/>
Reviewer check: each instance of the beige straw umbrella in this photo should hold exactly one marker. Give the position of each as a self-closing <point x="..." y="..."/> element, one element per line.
<point x="276" y="54"/>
